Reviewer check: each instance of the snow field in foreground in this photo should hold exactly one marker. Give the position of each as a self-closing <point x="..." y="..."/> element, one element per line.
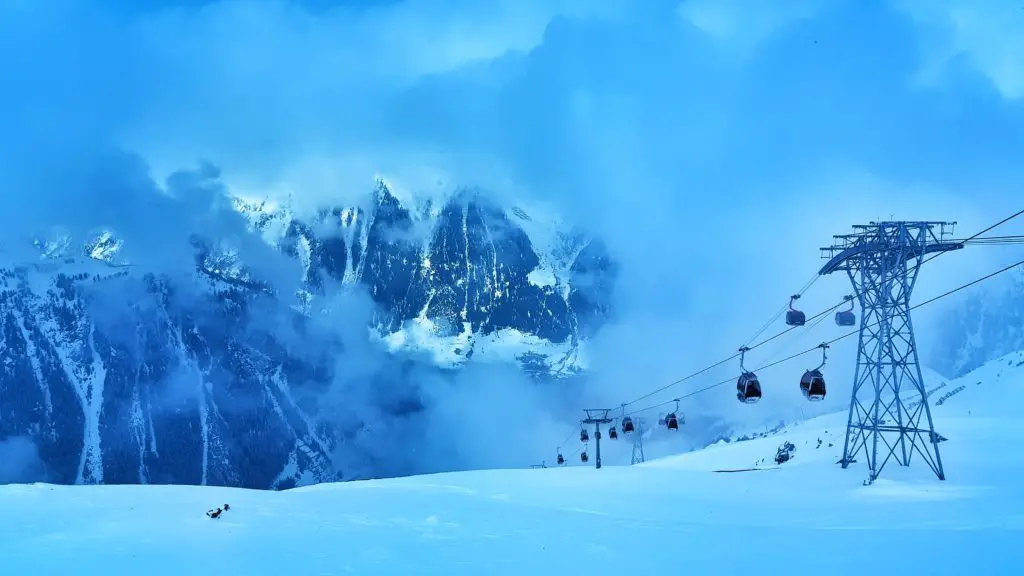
<point x="670" y="516"/>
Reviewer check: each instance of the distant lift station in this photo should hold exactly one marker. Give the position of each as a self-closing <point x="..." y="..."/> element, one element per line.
<point x="882" y="260"/>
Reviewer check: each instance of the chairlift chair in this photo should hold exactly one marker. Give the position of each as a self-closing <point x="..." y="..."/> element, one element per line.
<point x="795" y="317"/>
<point x="671" y="420"/>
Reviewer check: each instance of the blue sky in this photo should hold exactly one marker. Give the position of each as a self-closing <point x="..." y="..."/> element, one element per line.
<point x="714" y="145"/>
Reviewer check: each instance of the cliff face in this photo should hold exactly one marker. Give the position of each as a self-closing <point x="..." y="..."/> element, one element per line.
<point x="213" y="378"/>
<point x="454" y="277"/>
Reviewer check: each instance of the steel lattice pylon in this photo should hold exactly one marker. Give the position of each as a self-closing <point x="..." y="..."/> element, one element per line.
<point x="882" y="260"/>
<point x="638" y="441"/>
<point x="597" y="416"/>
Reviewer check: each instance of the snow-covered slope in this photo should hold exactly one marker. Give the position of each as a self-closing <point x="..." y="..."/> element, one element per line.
<point x="672" y="516"/>
<point x="985" y="324"/>
<point x="958" y="406"/>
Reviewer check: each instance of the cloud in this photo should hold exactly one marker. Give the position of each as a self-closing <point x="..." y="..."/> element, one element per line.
<point x="316" y="80"/>
<point x="20" y="461"/>
<point x="986" y="32"/>
<point x="741" y="26"/>
<point x="713" y="146"/>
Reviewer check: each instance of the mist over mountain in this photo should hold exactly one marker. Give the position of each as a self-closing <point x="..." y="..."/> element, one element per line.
<point x="986" y="324"/>
<point x="290" y="350"/>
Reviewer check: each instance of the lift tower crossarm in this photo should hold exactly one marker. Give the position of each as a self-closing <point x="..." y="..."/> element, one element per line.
<point x="597" y="416"/>
<point x="847" y="251"/>
<point x="882" y="260"/>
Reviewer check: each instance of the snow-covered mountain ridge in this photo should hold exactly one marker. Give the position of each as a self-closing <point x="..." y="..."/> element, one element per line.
<point x="466" y="278"/>
<point x="115" y="375"/>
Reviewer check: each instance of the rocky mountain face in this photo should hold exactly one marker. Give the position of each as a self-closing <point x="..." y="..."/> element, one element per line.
<point x="985" y="325"/>
<point x="213" y="378"/>
<point x="171" y="394"/>
<point x="466" y="272"/>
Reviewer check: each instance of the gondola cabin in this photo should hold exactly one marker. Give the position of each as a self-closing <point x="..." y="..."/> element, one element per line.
<point x="795" y="318"/>
<point x="627" y="424"/>
<point x="584" y="437"/>
<point x="583" y="456"/>
<point x="748" y="389"/>
<point x="845" y="318"/>
<point x="561" y="460"/>
<point x="812" y="385"/>
<point x="612" y="433"/>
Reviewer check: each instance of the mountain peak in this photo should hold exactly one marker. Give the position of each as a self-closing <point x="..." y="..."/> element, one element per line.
<point x="156" y="381"/>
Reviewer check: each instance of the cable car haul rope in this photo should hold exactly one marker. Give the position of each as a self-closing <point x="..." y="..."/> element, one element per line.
<point x="812" y="383"/>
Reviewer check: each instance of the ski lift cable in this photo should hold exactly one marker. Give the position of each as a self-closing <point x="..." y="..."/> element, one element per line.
<point x="977" y="236"/>
<point x="972" y="238"/>
<point x="782" y="309"/>
<point x="566" y="441"/>
<point x="834" y="340"/>
<point x="996" y="225"/>
<point x="995" y="240"/>
<point x="791" y="328"/>
<point x="788" y="345"/>
<point x="731" y="358"/>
